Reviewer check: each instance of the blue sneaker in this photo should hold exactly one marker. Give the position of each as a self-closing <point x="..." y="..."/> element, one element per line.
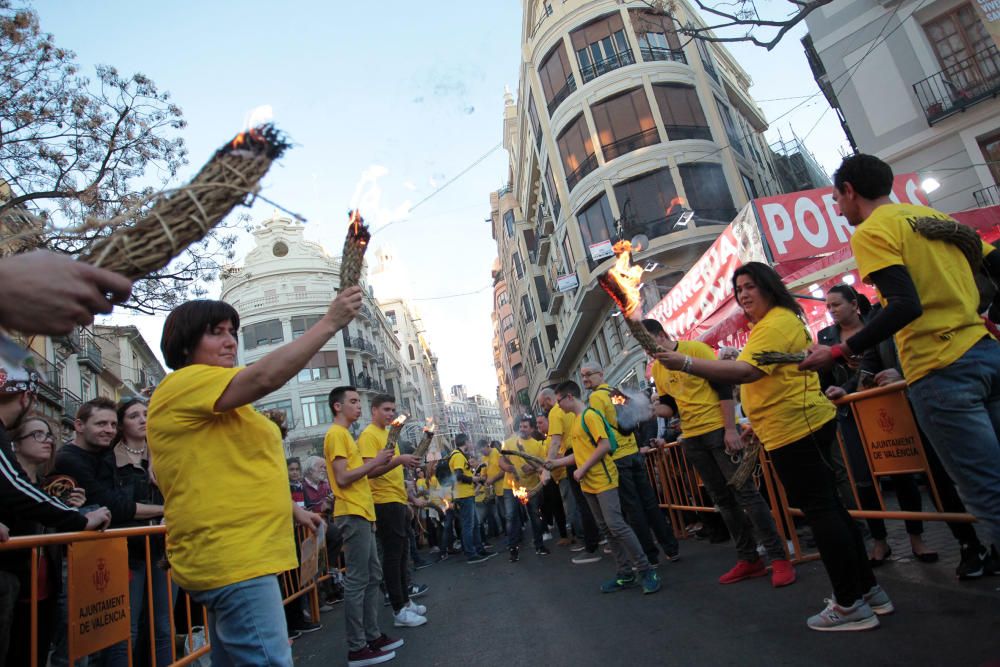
<point x="650" y="582"/>
<point x="619" y="583"/>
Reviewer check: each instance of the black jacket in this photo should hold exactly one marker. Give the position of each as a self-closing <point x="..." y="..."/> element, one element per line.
<point x="95" y="473"/>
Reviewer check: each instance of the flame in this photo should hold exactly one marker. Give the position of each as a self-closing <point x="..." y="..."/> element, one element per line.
<point x="244" y="137"/>
<point x="521" y="493"/>
<point x="674" y="203"/>
<point x="447" y="505"/>
<point x="622" y="280"/>
<point x="398" y="421"/>
<point x="354" y="219"/>
<point x="430" y="426"/>
<point x="619" y="399"/>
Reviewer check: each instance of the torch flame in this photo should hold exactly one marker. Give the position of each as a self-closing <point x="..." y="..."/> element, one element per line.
<point x="447" y="505"/>
<point x="622" y="280"/>
<point x="398" y="421"/>
<point x="619" y="399"/>
<point x="521" y="493"/>
<point x="430" y="426"/>
<point x="674" y="203"/>
<point x="355" y="219"/>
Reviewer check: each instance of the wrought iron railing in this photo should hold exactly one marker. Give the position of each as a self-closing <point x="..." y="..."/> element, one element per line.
<point x="630" y="143"/>
<point x="959" y="86"/>
<point x="587" y="166"/>
<point x="618" y="60"/>
<point x="651" y="53"/>
<point x="563" y="93"/>
<point x="988" y="196"/>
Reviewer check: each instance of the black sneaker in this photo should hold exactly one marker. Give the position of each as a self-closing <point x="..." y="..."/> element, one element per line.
<point x="542" y="551"/>
<point x="306" y="627"/>
<point x="974" y="561"/>
<point x="294" y="634"/>
<point x="477" y="559"/>
<point x="416" y="590"/>
<point x="513" y="555"/>
<point x="421" y="564"/>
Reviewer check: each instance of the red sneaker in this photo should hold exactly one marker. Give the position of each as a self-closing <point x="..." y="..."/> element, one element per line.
<point x="744" y="570"/>
<point x="368" y="656"/>
<point x="782" y="573"/>
<point x="385" y="643"/>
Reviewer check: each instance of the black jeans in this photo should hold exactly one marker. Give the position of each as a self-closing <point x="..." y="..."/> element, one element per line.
<point x="806" y="473"/>
<point x="552" y="507"/>
<point x="642" y="509"/>
<point x="390" y="530"/>
<point x="591" y="533"/>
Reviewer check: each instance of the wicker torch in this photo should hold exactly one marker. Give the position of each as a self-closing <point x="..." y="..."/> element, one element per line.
<point x="621" y="282"/>
<point x="395" y="428"/>
<point x="353" y="256"/>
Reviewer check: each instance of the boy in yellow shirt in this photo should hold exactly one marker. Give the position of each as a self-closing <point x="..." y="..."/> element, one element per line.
<point x="354" y="517"/>
<point x="598" y="477"/>
<point x="521" y="473"/>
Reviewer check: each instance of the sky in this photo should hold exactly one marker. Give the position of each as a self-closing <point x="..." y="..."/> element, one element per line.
<point x="385" y="103"/>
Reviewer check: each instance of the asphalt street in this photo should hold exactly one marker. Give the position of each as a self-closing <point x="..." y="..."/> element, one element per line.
<point x="545" y="610"/>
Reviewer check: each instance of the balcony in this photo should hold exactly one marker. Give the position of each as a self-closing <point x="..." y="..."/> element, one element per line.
<point x="555" y="302"/>
<point x="70" y="404"/>
<point x="988" y="196"/>
<point x="358" y="343"/>
<point x="90" y="356"/>
<point x="575" y="176"/>
<point x="546" y="225"/>
<point x="544" y="244"/>
<point x="365" y="383"/>
<point x="630" y="143"/>
<point x="617" y="61"/>
<point x="653" y="53"/>
<point x="563" y="93"/>
<point x="960" y="86"/>
<point x="50" y="383"/>
<point x="507" y="189"/>
<point x="680" y="132"/>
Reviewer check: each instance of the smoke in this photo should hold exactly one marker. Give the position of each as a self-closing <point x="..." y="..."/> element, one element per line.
<point x="634" y="411"/>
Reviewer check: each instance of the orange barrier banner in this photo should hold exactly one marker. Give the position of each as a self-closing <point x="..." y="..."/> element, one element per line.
<point x="97" y="596"/>
<point x="887" y="427"/>
<point x="310" y="560"/>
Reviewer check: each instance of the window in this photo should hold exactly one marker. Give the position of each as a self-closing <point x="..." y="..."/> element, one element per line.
<point x="569" y="263"/>
<point x="681" y="111"/>
<point x="508" y="223"/>
<point x="553" y="193"/>
<point x="527" y="308"/>
<point x="302" y="323"/>
<point x="316" y="411"/>
<point x="518" y="264"/>
<point x="624" y="123"/>
<point x="529" y="240"/>
<point x="412" y="355"/>
<point x="653" y="203"/>
<point x="707" y="192"/>
<point x="284" y="406"/>
<point x="657" y="37"/>
<point x="601" y="46"/>
<point x="706" y="57"/>
<point x="536" y="127"/>
<point x="323" y="366"/>
<point x="749" y="186"/>
<point x="390" y="315"/>
<point x="263" y="333"/>
<point x="513" y="347"/>
<point x="556" y="77"/>
<point x="596" y="221"/>
<point x="503" y="298"/>
<point x="735" y="139"/>
<point x="577" y="151"/>
<point x="507" y="323"/>
<point x="536" y="350"/>
<point x="517" y="370"/>
<point x="958" y="36"/>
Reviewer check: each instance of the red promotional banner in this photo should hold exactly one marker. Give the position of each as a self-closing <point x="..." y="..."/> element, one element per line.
<point x="806" y="224"/>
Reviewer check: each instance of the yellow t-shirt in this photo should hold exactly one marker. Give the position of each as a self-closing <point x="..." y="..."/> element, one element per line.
<point x="700" y="412"/>
<point x="355" y="499"/>
<point x="600" y="400"/>
<point x="493" y="468"/>
<point x="390" y="487"/>
<point x="950" y="324"/>
<point x="508" y="444"/>
<point x="786" y="404"/>
<point x="224" y="481"/>
<point x="531" y="447"/>
<point x="458" y="461"/>
<point x="437" y="495"/>
<point x="560" y="422"/>
<point x="603" y="476"/>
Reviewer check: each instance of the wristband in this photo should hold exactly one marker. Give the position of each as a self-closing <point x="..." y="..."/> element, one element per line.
<point x="686" y="368"/>
<point x="837" y="351"/>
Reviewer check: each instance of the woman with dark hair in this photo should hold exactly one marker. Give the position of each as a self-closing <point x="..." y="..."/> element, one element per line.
<point x="221" y="467"/>
<point x="849" y="312"/>
<point x="797" y="426"/>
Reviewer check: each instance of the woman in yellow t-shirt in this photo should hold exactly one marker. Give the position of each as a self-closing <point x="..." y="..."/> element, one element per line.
<point x="221" y="467"/>
<point x="797" y="426"/>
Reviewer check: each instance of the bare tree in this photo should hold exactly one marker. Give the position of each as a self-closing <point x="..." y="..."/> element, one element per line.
<point x="740" y="20"/>
<point x="74" y="150"/>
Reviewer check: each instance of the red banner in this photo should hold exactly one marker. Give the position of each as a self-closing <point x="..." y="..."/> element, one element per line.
<point x="806" y="224"/>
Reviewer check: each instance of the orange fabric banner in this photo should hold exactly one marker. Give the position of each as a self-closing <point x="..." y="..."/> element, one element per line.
<point x="309" y="562"/>
<point x="97" y="595"/>
<point x="889" y="433"/>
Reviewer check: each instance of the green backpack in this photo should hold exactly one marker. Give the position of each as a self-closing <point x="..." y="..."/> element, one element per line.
<point x="607" y="429"/>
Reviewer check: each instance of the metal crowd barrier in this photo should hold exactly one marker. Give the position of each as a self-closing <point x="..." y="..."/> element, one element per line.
<point x="111" y="560"/>
<point x="892" y="446"/>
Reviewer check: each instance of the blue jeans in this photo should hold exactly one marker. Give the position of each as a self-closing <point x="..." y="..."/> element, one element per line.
<point x="139" y="603"/>
<point x="246" y="623"/>
<point x="958" y="407"/>
<point x="514" y="525"/>
<point x="472" y="544"/>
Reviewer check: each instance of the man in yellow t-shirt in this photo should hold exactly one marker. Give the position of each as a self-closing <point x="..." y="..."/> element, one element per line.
<point x="580" y="518"/>
<point x="639" y="503"/>
<point x="494" y="477"/>
<point x="551" y="505"/>
<point x="598" y="477"/>
<point x="391" y="513"/>
<point x="931" y="306"/>
<point x="465" y="500"/>
<point x="522" y="474"/>
<point x="354" y="516"/>
<point x="710" y="440"/>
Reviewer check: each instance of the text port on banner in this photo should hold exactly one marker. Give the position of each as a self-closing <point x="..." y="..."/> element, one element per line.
<point x="97" y="595"/>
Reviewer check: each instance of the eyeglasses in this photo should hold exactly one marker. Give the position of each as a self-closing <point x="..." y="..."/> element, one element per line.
<point x="40" y="436"/>
<point x="589" y="373"/>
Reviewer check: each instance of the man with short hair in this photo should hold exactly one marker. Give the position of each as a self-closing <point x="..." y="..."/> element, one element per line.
<point x="931" y="302"/>
<point x="639" y="503"/>
<point x="580" y="516"/>
<point x="598" y="477"/>
<point x="391" y="514"/>
<point x="465" y="500"/>
<point x="354" y="516"/>
<point x="710" y="439"/>
<point x="521" y="473"/>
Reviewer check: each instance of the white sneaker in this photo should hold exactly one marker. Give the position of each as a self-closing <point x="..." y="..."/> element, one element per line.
<point x="418" y="609"/>
<point x="408" y="619"/>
